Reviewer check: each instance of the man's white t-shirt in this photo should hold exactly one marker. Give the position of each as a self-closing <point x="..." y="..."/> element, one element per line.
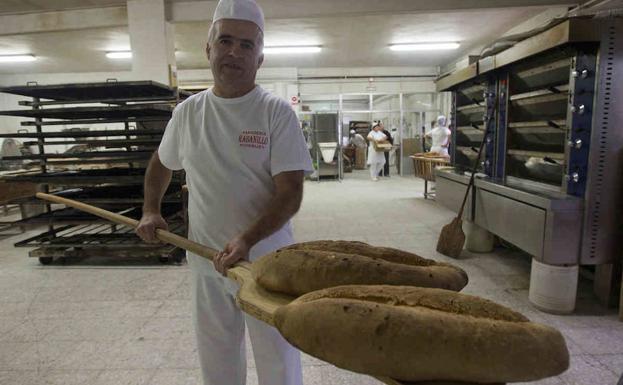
<point x="230" y="150"/>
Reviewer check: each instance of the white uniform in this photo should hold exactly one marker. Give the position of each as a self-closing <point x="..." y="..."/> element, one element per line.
<point x="376" y="159"/>
<point x="230" y="150"/>
<point x="441" y="136"/>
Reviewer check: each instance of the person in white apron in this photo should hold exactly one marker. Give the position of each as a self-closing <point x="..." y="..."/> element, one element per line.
<point x="376" y="159"/>
<point x="441" y="137"/>
<point x="245" y="157"/>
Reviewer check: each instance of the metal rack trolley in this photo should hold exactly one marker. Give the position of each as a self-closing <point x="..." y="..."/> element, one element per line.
<point x="109" y="173"/>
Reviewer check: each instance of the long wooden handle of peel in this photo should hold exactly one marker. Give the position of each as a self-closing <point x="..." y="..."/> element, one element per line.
<point x="473" y="173"/>
<point x="162" y="235"/>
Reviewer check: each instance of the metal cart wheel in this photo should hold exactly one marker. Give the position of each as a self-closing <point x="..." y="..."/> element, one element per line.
<point x="45" y="260"/>
<point x="178" y="256"/>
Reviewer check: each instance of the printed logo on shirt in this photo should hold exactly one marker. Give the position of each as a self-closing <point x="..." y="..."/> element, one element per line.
<point x="253" y="139"/>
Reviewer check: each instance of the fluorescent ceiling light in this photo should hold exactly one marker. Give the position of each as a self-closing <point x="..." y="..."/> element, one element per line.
<point x="293" y="49"/>
<point x="16" y="58"/>
<point x="119" y="54"/>
<point x="423" y="46"/>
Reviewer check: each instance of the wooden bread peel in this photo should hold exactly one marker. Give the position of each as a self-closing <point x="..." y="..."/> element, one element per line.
<point x="452" y="238"/>
<point x="251" y="298"/>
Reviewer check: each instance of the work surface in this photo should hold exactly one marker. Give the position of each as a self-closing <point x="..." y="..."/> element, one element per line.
<point x="106" y="322"/>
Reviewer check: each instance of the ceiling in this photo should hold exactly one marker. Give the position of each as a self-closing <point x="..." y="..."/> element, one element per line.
<point x="349" y="39"/>
<point x="361" y="41"/>
<point x="8" y="7"/>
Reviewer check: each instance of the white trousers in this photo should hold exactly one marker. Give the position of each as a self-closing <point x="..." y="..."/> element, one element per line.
<point x="375" y="168"/>
<point x="219" y="325"/>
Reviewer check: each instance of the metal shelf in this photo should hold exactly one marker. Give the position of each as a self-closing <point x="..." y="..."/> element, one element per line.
<point x="108" y="143"/>
<point x="71" y="232"/>
<point x="73" y="216"/>
<point x="76" y="92"/>
<point x="551" y="90"/>
<point x="80" y="155"/>
<point x="95" y="234"/>
<point x="91" y="177"/>
<point x="545" y="75"/>
<point x="83" y="134"/>
<point x="539" y="107"/>
<point x="162" y="111"/>
<point x="536" y="154"/>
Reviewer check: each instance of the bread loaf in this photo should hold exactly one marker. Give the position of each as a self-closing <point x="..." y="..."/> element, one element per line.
<point x="421" y="334"/>
<point x="365" y="250"/>
<point x="306" y="267"/>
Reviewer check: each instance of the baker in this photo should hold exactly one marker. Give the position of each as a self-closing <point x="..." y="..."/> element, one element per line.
<point x="441" y="137"/>
<point x="245" y="158"/>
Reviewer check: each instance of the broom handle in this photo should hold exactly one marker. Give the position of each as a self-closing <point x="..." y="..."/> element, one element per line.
<point x="161" y="234"/>
<point x="474" y="168"/>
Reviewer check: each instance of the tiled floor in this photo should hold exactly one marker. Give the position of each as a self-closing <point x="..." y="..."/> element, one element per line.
<point x="105" y="322"/>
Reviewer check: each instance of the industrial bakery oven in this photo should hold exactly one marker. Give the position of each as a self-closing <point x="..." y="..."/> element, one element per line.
<point x="473" y="114"/>
<point x="551" y="180"/>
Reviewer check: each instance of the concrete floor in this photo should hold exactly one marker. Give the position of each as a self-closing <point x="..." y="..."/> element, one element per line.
<point x="123" y="322"/>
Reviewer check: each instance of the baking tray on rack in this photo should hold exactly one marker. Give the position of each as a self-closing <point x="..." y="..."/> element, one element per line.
<point x="151" y="111"/>
<point x="73" y="216"/>
<point x="115" y="175"/>
<point x="101" y="90"/>
<point x="546" y="136"/>
<point x="83" y="134"/>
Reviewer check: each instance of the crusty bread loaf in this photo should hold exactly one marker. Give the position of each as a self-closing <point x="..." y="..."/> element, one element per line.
<point x="311" y="266"/>
<point x="421" y="334"/>
<point x="365" y="250"/>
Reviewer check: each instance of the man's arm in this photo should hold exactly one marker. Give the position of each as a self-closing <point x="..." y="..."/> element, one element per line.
<point x="157" y="179"/>
<point x="285" y="202"/>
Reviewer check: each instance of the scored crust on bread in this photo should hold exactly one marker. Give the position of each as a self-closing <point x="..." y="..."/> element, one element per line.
<point x="360" y="248"/>
<point x="422" y="334"/>
<point x="306" y="267"/>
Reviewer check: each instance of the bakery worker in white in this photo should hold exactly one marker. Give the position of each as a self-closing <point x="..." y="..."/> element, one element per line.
<point x="441" y="137"/>
<point x="245" y="159"/>
<point x="376" y="159"/>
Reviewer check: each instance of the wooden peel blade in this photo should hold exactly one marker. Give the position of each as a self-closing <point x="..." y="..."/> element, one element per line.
<point x="452" y="238"/>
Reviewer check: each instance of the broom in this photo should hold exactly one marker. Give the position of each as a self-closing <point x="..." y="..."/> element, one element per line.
<point x="452" y="238"/>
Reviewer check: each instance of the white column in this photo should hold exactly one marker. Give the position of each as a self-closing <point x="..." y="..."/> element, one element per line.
<point x="152" y="42"/>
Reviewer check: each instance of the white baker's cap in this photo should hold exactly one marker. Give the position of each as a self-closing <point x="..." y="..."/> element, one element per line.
<point x="239" y="10"/>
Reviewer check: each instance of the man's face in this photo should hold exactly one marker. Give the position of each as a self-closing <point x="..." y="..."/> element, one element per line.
<point x="235" y="53"/>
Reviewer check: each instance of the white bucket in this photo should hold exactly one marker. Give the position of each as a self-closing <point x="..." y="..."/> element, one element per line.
<point x="327" y="149"/>
<point x="477" y="239"/>
<point x="553" y="289"/>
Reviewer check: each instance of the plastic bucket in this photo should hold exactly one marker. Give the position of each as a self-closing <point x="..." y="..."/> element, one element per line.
<point x="327" y="149"/>
<point x="477" y="239"/>
<point x="553" y="289"/>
